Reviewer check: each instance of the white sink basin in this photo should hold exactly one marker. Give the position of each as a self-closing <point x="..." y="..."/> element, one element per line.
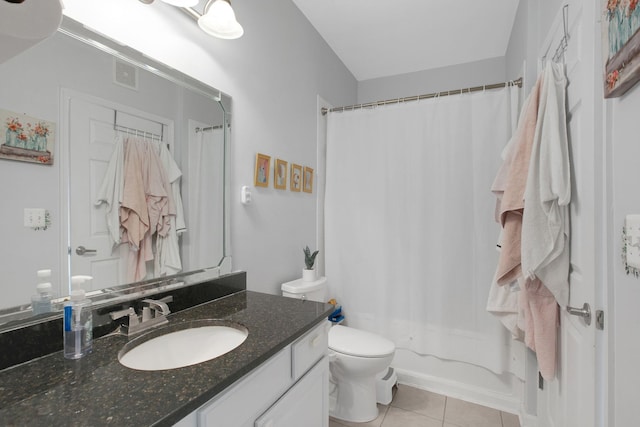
<point x="192" y="343"/>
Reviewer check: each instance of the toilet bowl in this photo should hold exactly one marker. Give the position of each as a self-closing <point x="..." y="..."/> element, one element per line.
<point x="355" y="358"/>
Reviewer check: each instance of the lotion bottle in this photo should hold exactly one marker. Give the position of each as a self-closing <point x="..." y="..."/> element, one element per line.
<point x="78" y="321"/>
<point x="41" y="302"/>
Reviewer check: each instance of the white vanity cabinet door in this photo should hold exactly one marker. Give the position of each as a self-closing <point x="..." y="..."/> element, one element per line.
<point x="305" y="404"/>
<point x="310" y="348"/>
<point x="243" y="402"/>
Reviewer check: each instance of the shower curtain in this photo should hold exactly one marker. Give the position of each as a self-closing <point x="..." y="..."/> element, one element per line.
<point x="410" y="235"/>
<point x="207" y="149"/>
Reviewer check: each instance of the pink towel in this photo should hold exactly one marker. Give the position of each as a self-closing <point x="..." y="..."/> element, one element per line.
<point x="134" y="218"/>
<point x="512" y="204"/>
<point x="541" y="321"/>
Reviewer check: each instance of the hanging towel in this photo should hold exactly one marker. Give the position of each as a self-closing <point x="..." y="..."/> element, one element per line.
<point x="134" y="217"/>
<point x="540" y="325"/>
<point x="503" y="304"/>
<point x="545" y="227"/>
<point x="167" y="260"/>
<point x="111" y="190"/>
<point x="512" y="204"/>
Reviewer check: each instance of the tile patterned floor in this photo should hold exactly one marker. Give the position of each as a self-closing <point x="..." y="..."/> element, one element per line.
<point x="412" y="407"/>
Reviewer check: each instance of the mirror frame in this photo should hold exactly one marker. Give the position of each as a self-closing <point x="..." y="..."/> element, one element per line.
<point x="19" y="316"/>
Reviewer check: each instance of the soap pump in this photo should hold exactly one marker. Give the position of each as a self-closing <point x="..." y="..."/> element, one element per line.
<point x="41" y="301"/>
<point x="78" y="321"/>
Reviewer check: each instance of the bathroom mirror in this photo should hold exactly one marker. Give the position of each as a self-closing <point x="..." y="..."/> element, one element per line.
<point x="92" y="97"/>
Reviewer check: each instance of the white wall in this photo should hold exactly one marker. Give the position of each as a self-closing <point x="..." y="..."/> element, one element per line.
<point x="624" y="291"/>
<point x="454" y="77"/>
<point x="274" y="74"/>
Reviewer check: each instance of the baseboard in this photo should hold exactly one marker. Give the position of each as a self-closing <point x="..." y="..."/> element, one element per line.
<point x="480" y="396"/>
<point x="527" y="420"/>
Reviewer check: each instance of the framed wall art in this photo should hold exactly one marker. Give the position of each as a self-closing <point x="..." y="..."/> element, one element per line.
<point x="26" y="138"/>
<point x="307" y="180"/>
<point x="263" y="169"/>
<point x="296" y="177"/>
<point x="280" y="174"/>
<point x="621" y="46"/>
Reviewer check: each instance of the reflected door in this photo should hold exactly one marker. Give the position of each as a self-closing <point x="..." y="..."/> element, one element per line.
<point x="92" y="143"/>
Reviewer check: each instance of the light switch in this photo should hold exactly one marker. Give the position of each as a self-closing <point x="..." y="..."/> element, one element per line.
<point x="632" y="227"/>
<point x="245" y="195"/>
<point x="34" y="217"/>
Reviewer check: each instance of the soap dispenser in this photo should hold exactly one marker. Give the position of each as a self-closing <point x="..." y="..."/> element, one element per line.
<point x="41" y="301"/>
<point x="78" y="321"/>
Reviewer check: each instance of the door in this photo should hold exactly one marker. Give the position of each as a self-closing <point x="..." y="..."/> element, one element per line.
<point x="305" y="404"/>
<point x="91" y="144"/>
<point x="570" y="401"/>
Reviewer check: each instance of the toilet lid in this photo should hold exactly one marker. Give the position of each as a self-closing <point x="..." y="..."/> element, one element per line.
<point x="355" y="342"/>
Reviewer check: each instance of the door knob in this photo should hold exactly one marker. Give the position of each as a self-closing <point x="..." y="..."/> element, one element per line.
<point x="81" y="250"/>
<point x="584" y="312"/>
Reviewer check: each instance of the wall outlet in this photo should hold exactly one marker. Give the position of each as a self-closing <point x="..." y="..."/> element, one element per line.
<point x="632" y="226"/>
<point x="34" y="217"/>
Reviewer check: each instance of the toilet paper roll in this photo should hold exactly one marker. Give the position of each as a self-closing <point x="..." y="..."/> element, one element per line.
<point x="22" y="25"/>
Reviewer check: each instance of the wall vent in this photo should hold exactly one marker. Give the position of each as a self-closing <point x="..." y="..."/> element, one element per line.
<point x="125" y="74"/>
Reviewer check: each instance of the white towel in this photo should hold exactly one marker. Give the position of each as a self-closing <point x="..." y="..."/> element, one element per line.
<point x="545" y="223"/>
<point x="111" y="190"/>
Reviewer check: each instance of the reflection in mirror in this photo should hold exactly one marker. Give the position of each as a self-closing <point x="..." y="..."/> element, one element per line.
<point x="137" y="187"/>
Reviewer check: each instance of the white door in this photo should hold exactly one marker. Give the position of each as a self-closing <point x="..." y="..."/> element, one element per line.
<point x="305" y="404"/>
<point x="570" y="401"/>
<point x="91" y="144"/>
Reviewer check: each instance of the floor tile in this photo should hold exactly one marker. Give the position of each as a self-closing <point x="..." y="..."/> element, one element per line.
<point x="333" y="423"/>
<point x="510" y="420"/>
<point x="396" y="417"/>
<point x="382" y="410"/>
<point x="420" y="401"/>
<point x="465" y="414"/>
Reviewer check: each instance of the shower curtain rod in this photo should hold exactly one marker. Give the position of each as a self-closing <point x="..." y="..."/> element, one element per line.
<point x="199" y="129"/>
<point x="516" y="82"/>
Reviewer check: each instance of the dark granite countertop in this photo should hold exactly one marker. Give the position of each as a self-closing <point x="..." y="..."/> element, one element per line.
<point x="98" y="390"/>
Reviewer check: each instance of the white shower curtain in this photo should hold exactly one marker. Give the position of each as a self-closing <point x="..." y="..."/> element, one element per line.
<point x="205" y="186"/>
<point x="410" y="233"/>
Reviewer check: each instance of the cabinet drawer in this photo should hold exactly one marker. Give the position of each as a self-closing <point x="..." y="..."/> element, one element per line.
<point x="309" y="349"/>
<point x="245" y="400"/>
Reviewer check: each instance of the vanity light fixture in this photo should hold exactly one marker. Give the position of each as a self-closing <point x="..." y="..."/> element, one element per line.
<point x="219" y="20"/>
<point x="177" y="3"/>
<point x="181" y="3"/>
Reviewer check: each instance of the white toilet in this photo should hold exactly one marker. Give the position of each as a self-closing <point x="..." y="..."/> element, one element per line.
<point x="355" y="358"/>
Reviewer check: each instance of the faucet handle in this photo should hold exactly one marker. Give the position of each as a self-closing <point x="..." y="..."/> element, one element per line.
<point x="160" y="305"/>
<point x="133" y="317"/>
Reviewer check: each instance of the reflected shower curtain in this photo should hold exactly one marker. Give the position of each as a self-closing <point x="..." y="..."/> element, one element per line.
<point x="205" y="185"/>
<point x="410" y="233"/>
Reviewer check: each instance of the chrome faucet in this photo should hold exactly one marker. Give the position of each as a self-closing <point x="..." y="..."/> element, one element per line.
<point x="154" y="313"/>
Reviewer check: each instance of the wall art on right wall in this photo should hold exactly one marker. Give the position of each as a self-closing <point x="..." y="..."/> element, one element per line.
<point x="307" y="181"/>
<point x="296" y="177"/>
<point x="621" y="46"/>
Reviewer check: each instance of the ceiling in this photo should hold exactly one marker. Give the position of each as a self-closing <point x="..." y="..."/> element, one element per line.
<point x="379" y="38"/>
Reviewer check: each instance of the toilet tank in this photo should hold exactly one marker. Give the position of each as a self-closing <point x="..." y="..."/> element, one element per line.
<point x="314" y="291"/>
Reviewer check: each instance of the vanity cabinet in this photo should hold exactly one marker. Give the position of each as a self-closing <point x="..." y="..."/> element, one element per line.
<point x="289" y="389"/>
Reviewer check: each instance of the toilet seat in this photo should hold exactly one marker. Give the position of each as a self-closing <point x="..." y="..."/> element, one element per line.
<point x="355" y="342"/>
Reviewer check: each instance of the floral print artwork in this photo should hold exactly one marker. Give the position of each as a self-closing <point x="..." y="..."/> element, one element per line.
<point x="26" y="138"/>
<point x="621" y="40"/>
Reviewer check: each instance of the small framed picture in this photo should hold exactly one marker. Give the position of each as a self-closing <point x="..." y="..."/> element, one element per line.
<point x="280" y="174"/>
<point x="263" y="169"/>
<point x="296" y="177"/>
<point x="307" y="181"/>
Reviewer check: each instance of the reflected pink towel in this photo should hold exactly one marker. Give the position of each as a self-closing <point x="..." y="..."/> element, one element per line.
<point x="541" y="320"/>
